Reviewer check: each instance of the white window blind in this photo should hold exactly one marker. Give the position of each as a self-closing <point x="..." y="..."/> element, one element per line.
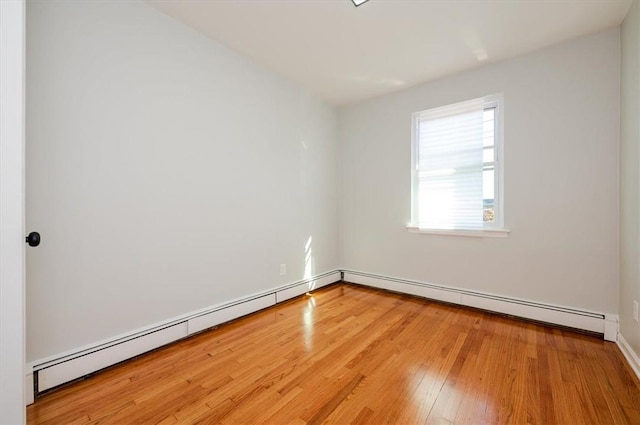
<point x="454" y="162"/>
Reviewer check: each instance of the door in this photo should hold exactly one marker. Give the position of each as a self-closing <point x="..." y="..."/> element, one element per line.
<point x="12" y="301"/>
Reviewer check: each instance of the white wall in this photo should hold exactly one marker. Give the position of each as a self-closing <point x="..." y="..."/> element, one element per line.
<point x="561" y="112"/>
<point x="12" y="368"/>
<point x="629" y="178"/>
<point x="164" y="172"/>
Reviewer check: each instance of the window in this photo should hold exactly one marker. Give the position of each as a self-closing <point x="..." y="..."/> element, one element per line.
<point x="457" y="169"/>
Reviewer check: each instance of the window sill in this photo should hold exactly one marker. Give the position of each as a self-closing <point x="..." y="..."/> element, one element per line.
<point x="483" y="233"/>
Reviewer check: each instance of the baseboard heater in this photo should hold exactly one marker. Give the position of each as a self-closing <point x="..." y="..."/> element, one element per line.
<point x="53" y="372"/>
<point x="69" y="366"/>
<point x="601" y="323"/>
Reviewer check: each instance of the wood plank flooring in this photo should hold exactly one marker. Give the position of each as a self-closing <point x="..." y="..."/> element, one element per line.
<point x="354" y="355"/>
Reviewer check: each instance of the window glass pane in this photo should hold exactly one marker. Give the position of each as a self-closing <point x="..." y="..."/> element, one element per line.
<point x="488" y="215"/>
<point x="487" y="155"/>
<point x="487" y="183"/>
<point x="488" y="195"/>
<point x="488" y="127"/>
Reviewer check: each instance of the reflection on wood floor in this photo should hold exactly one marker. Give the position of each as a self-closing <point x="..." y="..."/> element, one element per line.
<point x="354" y="355"/>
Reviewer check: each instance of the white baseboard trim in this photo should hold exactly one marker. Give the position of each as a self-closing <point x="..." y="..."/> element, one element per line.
<point x="632" y="357"/>
<point x="28" y="388"/>
<point x="56" y="370"/>
<point x="601" y="323"/>
<point x="84" y="364"/>
<point x="216" y="317"/>
<point x="213" y="318"/>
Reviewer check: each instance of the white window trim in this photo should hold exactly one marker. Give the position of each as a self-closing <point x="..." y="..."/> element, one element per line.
<point x="497" y="229"/>
<point x="489" y="232"/>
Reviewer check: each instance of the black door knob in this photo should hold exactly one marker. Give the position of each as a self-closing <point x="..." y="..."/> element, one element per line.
<point x="33" y="239"/>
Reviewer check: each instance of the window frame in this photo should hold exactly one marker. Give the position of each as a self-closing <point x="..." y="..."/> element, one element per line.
<point x="495" y="229"/>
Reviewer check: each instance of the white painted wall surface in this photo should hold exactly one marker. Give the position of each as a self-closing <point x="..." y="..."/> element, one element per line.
<point x="629" y="177"/>
<point x="164" y="172"/>
<point x="12" y="350"/>
<point x="561" y="112"/>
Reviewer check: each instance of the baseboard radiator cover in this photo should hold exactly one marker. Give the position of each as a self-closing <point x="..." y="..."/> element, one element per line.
<point x="57" y="370"/>
<point x="605" y="324"/>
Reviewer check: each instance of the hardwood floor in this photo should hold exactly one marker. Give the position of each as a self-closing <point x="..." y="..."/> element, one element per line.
<point x="354" y="355"/>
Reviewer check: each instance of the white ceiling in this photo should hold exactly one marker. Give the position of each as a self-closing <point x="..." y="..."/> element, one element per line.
<point x="345" y="54"/>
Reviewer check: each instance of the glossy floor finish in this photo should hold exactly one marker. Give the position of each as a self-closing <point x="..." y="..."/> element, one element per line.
<point x="354" y="355"/>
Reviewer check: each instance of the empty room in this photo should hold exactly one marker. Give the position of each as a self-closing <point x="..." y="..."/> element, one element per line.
<point x="319" y="211"/>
